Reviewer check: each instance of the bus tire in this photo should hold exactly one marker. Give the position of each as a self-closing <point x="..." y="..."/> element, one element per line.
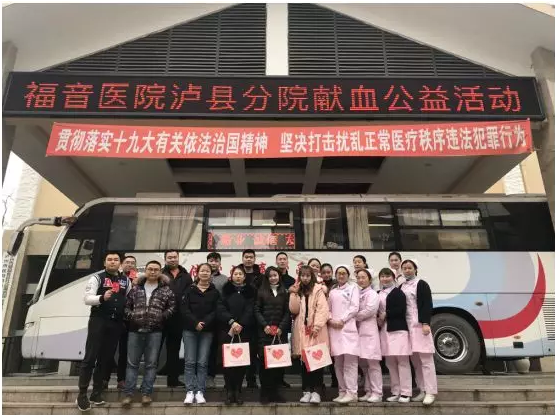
<point x="457" y="345"/>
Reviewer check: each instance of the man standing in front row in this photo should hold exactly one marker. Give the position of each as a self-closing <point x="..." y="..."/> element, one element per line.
<point x="149" y="305"/>
<point x="106" y="294"/>
<point x="180" y="280"/>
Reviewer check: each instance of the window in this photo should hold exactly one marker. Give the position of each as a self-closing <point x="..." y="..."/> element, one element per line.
<point x="370" y="227"/>
<point x="68" y="254"/>
<point x="439" y="229"/>
<point x="323" y="227"/>
<point x="261" y="229"/>
<point x="156" y="227"/>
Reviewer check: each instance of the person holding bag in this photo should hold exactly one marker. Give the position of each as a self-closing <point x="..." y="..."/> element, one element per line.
<point x="271" y="310"/>
<point x="309" y="305"/>
<point x="236" y="316"/>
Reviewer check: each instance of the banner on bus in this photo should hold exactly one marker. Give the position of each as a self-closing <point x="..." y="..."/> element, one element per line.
<point x="402" y="140"/>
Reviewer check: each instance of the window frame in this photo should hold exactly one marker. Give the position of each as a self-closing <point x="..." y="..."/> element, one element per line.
<point x="394" y="227"/>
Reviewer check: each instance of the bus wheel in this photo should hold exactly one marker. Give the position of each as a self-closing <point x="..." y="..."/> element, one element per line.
<point x="456" y="343"/>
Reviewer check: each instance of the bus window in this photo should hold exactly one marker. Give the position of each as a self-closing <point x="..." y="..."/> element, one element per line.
<point x="445" y="229"/>
<point x="68" y="254"/>
<point x="370" y="227"/>
<point x="152" y="227"/>
<point x="261" y="229"/>
<point x="323" y="227"/>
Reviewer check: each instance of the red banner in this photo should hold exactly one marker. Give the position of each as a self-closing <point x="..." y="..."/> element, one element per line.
<point x="409" y="140"/>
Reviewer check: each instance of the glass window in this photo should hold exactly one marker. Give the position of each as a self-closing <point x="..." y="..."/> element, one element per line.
<point x="280" y="217"/>
<point x="229" y="217"/>
<point x="418" y="217"/>
<point x="460" y="217"/>
<point x="432" y="239"/>
<point x="67" y="254"/>
<point x="85" y="256"/>
<point x="156" y="227"/>
<point x="323" y="227"/>
<point x="370" y="227"/>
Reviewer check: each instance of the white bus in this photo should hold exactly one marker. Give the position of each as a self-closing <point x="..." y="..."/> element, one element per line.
<point x="489" y="260"/>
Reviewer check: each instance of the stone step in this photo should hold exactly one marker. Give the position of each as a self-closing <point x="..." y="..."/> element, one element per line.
<point x="443" y="380"/>
<point x="177" y="408"/>
<point x="53" y="394"/>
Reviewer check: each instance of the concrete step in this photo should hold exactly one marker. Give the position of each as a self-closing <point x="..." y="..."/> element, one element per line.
<point x="443" y="380"/>
<point x="60" y="394"/>
<point x="177" y="408"/>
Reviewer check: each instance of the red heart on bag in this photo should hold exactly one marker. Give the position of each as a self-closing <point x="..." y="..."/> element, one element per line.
<point x="236" y="353"/>
<point x="278" y="354"/>
<point x="317" y="354"/>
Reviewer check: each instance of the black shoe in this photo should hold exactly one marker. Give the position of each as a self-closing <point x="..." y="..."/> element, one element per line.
<point x="239" y="397"/>
<point x="251" y="384"/>
<point x="285" y="384"/>
<point x="97" y="399"/>
<point x="175" y="384"/>
<point x="83" y="402"/>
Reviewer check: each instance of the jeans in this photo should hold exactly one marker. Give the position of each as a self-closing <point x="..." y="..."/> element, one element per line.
<point x="139" y="344"/>
<point x="197" y="351"/>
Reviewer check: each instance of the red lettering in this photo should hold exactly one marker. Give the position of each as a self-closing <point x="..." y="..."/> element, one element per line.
<point x="40" y="95"/>
<point x="273" y="239"/>
<point x="77" y="96"/>
<point x="363" y="99"/>
<point x="406" y="96"/>
<point x="210" y="241"/>
<point x="470" y="98"/>
<point x="292" y="97"/>
<point x="326" y="100"/>
<point x="240" y="239"/>
<point x="260" y="240"/>
<point x="263" y="96"/>
<point x="290" y="240"/>
<point x="147" y="96"/>
<point x="225" y="240"/>
<point x="434" y="99"/>
<point x="113" y="96"/>
<point x="192" y="93"/>
<point x="222" y="98"/>
<point x="507" y="100"/>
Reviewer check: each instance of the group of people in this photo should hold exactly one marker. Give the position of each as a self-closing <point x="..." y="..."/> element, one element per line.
<point x="322" y="305"/>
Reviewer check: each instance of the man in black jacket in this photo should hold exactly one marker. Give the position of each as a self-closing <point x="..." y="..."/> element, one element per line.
<point x="106" y="294"/>
<point x="180" y="280"/>
<point x="253" y="277"/>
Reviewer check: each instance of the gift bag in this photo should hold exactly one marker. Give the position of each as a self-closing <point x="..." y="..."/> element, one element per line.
<point x="316" y="357"/>
<point x="236" y="354"/>
<point x="277" y="355"/>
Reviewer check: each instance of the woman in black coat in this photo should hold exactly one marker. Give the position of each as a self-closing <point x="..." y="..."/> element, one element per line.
<point x="271" y="310"/>
<point x="236" y="316"/>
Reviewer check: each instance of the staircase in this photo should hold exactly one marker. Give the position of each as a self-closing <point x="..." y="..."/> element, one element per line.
<point x="470" y="394"/>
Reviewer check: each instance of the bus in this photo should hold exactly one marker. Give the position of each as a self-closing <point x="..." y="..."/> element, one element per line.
<point x="489" y="259"/>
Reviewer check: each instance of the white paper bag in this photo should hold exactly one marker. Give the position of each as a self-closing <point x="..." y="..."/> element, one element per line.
<point x="277" y="355"/>
<point x="236" y="354"/>
<point x="316" y="357"/>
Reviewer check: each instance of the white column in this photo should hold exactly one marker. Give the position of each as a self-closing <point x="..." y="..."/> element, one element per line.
<point x="277" y="50"/>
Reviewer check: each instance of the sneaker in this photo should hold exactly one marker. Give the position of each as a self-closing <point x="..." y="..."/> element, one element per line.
<point x="394" y="398"/>
<point x="306" y="397"/>
<point x="348" y="398"/>
<point x="404" y="399"/>
<point x="210" y="383"/>
<point x="365" y="397"/>
<point x="97" y="399"/>
<point x="199" y="398"/>
<point x="374" y="399"/>
<point x="146" y="400"/>
<point x="189" y="398"/>
<point x="429" y="399"/>
<point x="315" y="398"/>
<point x="126" y="402"/>
<point x="83" y="403"/>
<point x="339" y="397"/>
<point x="419" y="398"/>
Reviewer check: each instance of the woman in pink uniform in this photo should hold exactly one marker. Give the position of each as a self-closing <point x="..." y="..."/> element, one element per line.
<point x="344" y="341"/>
<point x="370" y="350"/>
<point x="395" y="259"/>
<point x="394" y="337"/>
<point x="419" y="315"/>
